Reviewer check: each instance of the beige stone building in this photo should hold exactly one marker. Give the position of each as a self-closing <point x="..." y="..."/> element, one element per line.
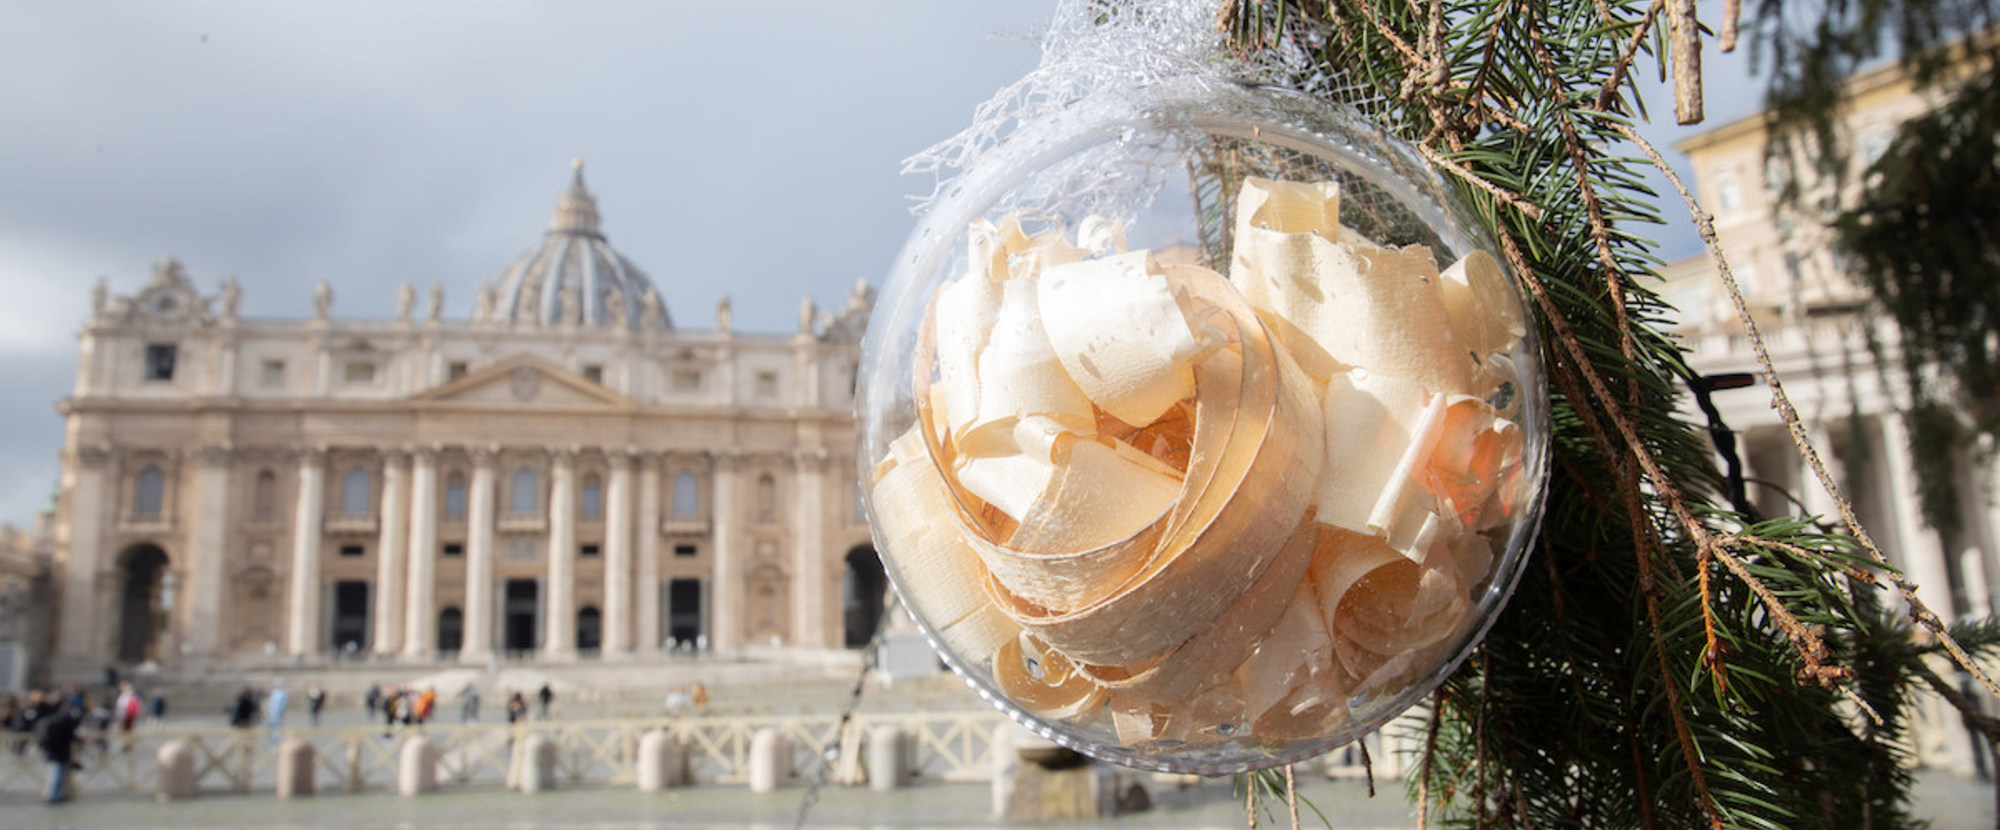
<point x="567" y="474"/>
<point x="24" y="618"/>
<point x="1815" y="321"/>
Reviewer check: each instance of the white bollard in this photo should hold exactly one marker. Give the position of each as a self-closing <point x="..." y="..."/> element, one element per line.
<point x="176" y="762"/>
<point x="888" y="759"/>
<point x="538" y="764"/>
<point x="770" y="760"/>
<point x="295" y="768"/>
<point x="1004" y="760"/>
<point x="416" y="767"/>
<point x="659" y="761"/>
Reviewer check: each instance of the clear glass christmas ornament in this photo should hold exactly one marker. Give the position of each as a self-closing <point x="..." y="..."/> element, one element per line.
<point x="1201" y="430"/>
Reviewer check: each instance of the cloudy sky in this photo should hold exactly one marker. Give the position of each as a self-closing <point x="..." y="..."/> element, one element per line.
<point x="748" y="149"/>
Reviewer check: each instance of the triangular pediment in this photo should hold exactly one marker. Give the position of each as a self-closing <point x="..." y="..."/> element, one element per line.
<point x="525" y="380"/>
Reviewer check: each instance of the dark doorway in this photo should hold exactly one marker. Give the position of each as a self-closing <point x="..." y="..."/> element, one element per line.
<point x="589" y="629"/>
<point x="140" y="615"/>
<point x="451" y="631"/>
<point x="861" y="596"/>
<point x="350" y="614"/>
<point x="683" y="611"/>
<point x="521" y="614"/>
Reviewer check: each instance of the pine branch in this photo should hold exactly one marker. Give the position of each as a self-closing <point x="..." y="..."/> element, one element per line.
<point x="1657" y="670"/>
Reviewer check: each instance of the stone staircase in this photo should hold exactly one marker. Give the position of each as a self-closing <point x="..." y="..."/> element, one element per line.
<point x="751" y="683"/>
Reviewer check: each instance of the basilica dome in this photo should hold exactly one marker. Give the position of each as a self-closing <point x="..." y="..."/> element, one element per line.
<point x="573" y="277"/>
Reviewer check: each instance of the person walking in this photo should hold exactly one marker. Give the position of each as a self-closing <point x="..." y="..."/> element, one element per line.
<point x="315" y="701"/>
<point x="279" y="697"/>
<point x="58" y="743"/>
<point x="243" y="712"/>
<point x="545" y="695"/>
<point x="517" y="707"/>
<point x="468" y="704"/>
<point x="127" y="708"/>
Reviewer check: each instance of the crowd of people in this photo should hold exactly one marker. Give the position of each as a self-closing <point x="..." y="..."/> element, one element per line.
<point x="56" y="722"/>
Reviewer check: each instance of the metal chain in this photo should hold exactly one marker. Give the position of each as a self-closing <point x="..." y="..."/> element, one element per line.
<point x="831" y="754"/>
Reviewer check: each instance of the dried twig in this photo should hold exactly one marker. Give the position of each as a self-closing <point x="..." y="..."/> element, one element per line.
<point x="1705" y="227"/>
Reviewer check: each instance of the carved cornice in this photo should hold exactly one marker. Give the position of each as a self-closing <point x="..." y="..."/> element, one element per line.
<point x="727" y="460"/>
<point x="811" y="461"/>
<point x="96" y="455"/>
<point x="484" y="455"/>
<point x="216" y="455"/>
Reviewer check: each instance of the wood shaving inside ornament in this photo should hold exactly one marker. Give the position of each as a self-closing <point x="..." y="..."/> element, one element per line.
<point x="1205" y="509"/>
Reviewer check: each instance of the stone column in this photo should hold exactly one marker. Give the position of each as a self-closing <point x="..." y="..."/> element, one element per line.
<point x="479" y="557"/>
<point x="1811" y="493"/>
<point x="420" y="623"/>
<point x="726" y="586"/>
<point x="205" y="574"/>
<point x="92" y="506"/>
<point x="618" y="555"/>
<point x="559" y="637"/>
<point x="225" y="371"/>
<point x="648" y="618"/>
<point x="389" y="546"/>
<point x="810" y="624"/>
<point x="1921" y="551"/>
<point x="1987" y="493"/>
<point x="303" y="626"/>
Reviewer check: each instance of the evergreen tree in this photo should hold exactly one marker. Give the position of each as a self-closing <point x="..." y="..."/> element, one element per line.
<point x="1666" y="661"/>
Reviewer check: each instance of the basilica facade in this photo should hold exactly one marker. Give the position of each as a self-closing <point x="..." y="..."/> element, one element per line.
<point x="566" y="474"/>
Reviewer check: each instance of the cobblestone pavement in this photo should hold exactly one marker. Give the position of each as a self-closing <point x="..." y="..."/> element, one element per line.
<point x="1952" y="804"/>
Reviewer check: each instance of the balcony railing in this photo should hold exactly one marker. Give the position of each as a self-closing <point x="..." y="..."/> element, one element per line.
<point x="684" y="525"/>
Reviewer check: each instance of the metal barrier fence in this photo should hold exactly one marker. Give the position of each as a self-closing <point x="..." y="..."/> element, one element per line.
<point x="948" y="746"/>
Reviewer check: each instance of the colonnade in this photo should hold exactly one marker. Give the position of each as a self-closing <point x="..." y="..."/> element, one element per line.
<point x="405" y="606"/>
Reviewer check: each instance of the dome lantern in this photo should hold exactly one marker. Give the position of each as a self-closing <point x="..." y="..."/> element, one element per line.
<point x="574" y="277"/>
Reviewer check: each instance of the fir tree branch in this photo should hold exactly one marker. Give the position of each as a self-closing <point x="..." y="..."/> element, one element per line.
<point x="1920" y="612"/>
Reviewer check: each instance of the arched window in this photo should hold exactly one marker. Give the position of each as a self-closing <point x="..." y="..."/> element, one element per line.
<point x="355" y="488"/>
<point x="687" y="494"/>
<point x="149" y="493"/>
<point x="524" y="493"/>
<point x="265" y="498"/>
<point x="451" y="630"/>
<point x="454" y="496"/>
<point x="767" y="497"/>
<point x="591" y="503"/>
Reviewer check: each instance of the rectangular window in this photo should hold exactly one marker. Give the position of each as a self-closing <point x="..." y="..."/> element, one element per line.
<point x="160" y="360"/>
<point x="687" y="380"/>
<point x="1728" y="196"/>
<point x="593" y="373"/>
<point x="456" y="369"/>
<point x="587" y="550"/>
<point x="353" y="550"/>
<point x="358" y="373"/>
<point x="684" y="551"/>
<point x="272" y="375"/>
<point x="767" y="385"/>
<point x="454" y="549"/>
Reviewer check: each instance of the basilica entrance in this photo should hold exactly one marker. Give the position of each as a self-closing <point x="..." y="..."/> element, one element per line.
<point x="683" y="611"/>
<point x="861" y="596"/>
<point x="350" y="616"/>
<point x="141" y="609"/>
<point x="521" y="615"/>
